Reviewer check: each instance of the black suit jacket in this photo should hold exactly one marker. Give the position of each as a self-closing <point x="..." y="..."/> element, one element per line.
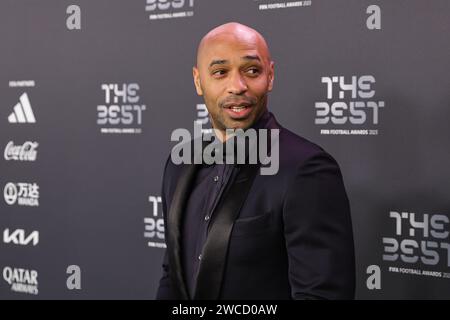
<point x="292" y="238"/>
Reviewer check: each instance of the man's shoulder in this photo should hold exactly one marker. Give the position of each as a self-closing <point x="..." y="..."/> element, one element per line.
<point x="296" y="150"/>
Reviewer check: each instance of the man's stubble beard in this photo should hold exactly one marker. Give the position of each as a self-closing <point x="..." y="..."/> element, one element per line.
<point x="218" y="120"/>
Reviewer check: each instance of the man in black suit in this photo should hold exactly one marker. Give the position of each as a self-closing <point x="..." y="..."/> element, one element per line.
<point x="233" y="233"/>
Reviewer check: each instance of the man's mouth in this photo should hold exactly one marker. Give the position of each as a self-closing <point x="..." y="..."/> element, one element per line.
<point x="238" y="108"/>
<point x="238" y="111"/>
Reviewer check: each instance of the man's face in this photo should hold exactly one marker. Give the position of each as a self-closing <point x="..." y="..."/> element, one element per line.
<point x="234" y="75"/>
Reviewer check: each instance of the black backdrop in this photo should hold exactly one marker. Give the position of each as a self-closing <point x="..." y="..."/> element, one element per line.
<point x="106" y="82"/>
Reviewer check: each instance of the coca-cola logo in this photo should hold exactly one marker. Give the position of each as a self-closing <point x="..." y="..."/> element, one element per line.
<point x="25" y="152"/>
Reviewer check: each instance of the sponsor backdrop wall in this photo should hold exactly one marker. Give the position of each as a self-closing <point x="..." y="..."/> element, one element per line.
<point x="91" y="91"/>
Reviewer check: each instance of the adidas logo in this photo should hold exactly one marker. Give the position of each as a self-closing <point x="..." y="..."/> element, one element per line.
<point x="22" y="111"/>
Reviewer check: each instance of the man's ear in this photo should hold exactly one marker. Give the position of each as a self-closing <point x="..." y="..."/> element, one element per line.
<point x="196" y="75"/>
<point x="271" y="75"/>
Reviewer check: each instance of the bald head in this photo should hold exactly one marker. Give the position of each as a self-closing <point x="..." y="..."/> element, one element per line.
<point x="236" y="32"/>
<point x="234" y="74"/>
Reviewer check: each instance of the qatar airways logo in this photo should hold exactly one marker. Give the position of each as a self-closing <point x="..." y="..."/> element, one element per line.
<point x="24" y="152"/>
<point x="350" y="107"/>
<point x="21" y="280"/>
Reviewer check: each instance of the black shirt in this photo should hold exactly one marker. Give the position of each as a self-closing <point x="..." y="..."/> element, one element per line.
<point x="209" y="184"/>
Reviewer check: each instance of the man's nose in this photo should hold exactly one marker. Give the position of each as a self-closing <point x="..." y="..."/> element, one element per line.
<point x="237" y="84"/>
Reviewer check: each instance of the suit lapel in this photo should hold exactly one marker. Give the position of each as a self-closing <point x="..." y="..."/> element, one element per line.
<point x="214" y="254"/>
<point x="176" y="210"/>
<point x="211" y="270"/>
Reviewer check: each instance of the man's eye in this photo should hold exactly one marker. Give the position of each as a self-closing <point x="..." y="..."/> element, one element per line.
<point x="253" y="71"/>
<point x="219" y="72"/>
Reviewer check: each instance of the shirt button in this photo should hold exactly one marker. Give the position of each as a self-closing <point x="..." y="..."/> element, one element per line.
<point x="207" y="218"/>
<point x="216" y="178"/>
<point x="200" y="257"/>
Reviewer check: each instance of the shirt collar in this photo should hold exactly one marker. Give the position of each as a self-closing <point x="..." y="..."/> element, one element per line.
<point x="261" y="123"/>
